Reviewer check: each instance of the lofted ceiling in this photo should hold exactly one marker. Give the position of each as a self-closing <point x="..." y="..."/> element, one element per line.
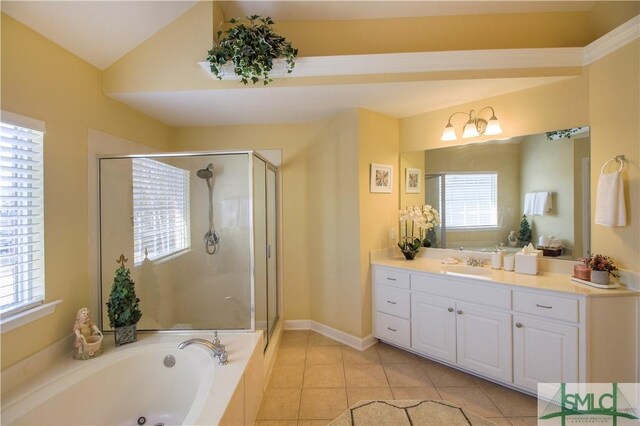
<point x="101" y="32"/>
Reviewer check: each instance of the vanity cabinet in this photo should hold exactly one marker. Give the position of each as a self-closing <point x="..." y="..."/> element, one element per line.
<point x="471" y="336"/>
<point x="515" y="334"/>
<point x="543" y="352"/>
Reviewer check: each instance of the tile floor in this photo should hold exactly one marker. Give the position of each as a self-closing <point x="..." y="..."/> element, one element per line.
<point x="316" y="378"/>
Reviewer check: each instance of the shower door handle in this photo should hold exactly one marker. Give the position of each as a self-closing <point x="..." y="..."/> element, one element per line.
<point x="268" y="251"/>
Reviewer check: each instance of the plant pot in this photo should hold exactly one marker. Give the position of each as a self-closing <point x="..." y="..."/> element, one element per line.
<point x="409" y="254"/>
<point x="426" y="243"/>
<point x="600" y="277"/>
<point x="126" y="334"/>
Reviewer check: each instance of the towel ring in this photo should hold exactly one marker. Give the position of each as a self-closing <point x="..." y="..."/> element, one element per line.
<point x="619" y="159"/>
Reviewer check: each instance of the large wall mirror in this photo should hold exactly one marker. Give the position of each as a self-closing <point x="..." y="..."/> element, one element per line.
<point x="482" y="190"/>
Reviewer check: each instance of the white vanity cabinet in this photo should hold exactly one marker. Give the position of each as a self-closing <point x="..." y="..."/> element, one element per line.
<point x="517" y="334"/>
<point x="472" y="336"/>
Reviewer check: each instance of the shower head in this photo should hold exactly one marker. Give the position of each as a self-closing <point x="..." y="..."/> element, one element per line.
<point x="205" y="173"/>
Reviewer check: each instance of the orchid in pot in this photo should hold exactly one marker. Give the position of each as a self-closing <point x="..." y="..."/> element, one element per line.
<point x="431" y="221"/>
<point x="414" y="225"/>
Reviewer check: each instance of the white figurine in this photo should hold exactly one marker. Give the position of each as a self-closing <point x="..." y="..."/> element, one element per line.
<point x="88" y="343"/>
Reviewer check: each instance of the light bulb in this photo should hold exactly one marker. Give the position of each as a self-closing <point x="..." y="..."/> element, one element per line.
<point x="449" y="133"/>
<point x="493" y="127"/>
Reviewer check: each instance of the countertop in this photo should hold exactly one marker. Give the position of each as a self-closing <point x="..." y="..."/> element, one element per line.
<point x="550" y="281"/>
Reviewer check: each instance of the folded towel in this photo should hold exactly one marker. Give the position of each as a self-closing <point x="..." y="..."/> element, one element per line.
<point x="529" y="199"/>
<point x="610" y="208"/>
<point x="542" y="203"/>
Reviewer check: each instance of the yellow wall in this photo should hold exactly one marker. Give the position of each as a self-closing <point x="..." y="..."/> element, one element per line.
<point x="298" y="232"/>
<point x="554" y="106"/>
<point x="169" y="59"/>
<point x="378" y="143"/>
<point x="44" y="81"/>
<point x="614" y="107"/>
<point x="438" y="33"/>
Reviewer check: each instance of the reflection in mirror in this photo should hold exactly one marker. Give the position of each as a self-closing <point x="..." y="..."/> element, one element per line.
<point x="483" y="191"/>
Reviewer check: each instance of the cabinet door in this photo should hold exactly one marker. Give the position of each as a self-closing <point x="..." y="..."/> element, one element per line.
<point x="544" y="351"/>
<point x="433" y="326"/>
<point x="484" y="340"/>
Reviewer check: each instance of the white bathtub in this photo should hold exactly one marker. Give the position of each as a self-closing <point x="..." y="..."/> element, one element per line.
<point x="131" y="382"/>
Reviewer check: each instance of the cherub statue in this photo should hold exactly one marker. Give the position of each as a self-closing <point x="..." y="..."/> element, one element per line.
<point x="88" y="343"/>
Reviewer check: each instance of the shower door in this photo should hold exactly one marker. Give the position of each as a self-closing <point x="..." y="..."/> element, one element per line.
<point x="158" y="213"/>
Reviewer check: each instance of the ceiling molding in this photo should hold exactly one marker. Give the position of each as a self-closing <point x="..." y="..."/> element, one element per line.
<point x="398" y="63"/>
<point x="612" y="41"/>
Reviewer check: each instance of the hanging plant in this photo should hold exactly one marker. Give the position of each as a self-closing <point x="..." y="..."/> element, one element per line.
<point x="251" y="47"/>
<point x="564" y="133"/>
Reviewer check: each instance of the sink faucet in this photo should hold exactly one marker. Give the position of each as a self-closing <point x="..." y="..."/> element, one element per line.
<point x="218" y="349"/>
<point x="474" y="261"/>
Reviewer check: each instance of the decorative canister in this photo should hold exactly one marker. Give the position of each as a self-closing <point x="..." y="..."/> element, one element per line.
<point x="582" y="272"/>
<point x="600" y="277"/>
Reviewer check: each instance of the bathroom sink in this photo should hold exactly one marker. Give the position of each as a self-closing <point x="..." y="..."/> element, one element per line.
<point x="476" y="272"/>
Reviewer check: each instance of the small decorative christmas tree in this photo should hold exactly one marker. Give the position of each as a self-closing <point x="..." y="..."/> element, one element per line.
<point x="122" y="307"/>
<point x="525" y="231"/>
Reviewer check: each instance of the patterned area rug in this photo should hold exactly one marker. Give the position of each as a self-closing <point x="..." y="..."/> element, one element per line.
<point x="408" y="412"/>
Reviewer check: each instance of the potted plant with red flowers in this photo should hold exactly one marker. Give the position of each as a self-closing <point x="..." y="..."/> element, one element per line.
<point x="602" y="268"/>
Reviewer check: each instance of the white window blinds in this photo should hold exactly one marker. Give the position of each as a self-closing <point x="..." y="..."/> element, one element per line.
<point x="21" y="218"/>
<point x="160" y="209"/>
<point x="472" y="200"/>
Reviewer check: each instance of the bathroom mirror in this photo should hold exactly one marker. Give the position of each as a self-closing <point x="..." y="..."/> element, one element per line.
<point x="480" y="191"/>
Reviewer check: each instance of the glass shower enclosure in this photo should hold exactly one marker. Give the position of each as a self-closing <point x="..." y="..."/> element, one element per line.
<point x="200" y="235"/>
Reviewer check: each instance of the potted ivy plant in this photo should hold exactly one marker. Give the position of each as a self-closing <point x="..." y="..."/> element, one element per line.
<point x="123" y="305"/>
<point x="252" y="48"/>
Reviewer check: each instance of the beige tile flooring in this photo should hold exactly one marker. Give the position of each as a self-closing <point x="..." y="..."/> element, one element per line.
<point x="316" y="378"/>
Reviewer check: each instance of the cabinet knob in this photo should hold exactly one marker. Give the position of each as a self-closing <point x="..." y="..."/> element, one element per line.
<point x="459" y="312"/>
<point x="519" y="324"/>
<point x="450" y="309"/>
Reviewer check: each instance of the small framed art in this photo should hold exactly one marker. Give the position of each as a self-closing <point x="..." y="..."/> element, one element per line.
<point x="412" y="181"/>
<point x="381" y="178"/>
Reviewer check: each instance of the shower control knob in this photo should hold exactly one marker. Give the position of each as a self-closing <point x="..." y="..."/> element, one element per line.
<point x="450" y="309"/>
<point x="459" y="312"/>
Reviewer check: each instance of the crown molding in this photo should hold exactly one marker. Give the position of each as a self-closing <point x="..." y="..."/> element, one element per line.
<point x="612" y="41"/>
<point x="460" y="60"/>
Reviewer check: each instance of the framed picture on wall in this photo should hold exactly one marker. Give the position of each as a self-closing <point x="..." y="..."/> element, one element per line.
<point x="381" y="178"/>
<point x="412" y="181"/>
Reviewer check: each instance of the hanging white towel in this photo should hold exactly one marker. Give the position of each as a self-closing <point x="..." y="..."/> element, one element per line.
<point x="542" y="203"/>
<point x="529" y="199"/>
<point x="610" y="208"/>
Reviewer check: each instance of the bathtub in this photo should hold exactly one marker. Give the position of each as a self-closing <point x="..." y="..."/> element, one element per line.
<point x="131" y="385"/>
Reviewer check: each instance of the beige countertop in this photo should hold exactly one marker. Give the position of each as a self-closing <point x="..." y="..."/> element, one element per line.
<point x="551" y="281"/>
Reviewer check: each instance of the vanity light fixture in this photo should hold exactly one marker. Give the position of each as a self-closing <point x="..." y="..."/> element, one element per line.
<point x="475" y="125"/>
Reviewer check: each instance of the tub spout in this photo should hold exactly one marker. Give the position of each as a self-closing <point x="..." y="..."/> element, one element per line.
<point x="218" y="349"/>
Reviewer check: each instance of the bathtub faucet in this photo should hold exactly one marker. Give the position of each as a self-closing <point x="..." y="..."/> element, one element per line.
<point x="218" y="349"/>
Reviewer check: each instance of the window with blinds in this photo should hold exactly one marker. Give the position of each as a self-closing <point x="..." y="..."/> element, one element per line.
<point x="160" y="210"/>
<point x="21" y="219"/>
<point x="472" y="200"/>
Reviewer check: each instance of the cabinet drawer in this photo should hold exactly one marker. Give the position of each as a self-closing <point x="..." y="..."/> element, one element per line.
<point x="562" y="308"/>
<point x="483" y="294"/>
<point x="391" y="277"/>
<point x="393" y="329"/>
<point x="393" y="301"/>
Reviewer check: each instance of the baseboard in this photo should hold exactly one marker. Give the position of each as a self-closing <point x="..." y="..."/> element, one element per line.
<point x="297" y="325"/>
<point x="359" y="343"/>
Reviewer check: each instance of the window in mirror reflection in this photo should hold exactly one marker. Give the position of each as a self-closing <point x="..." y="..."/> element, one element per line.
<point x="471" y="200"/>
